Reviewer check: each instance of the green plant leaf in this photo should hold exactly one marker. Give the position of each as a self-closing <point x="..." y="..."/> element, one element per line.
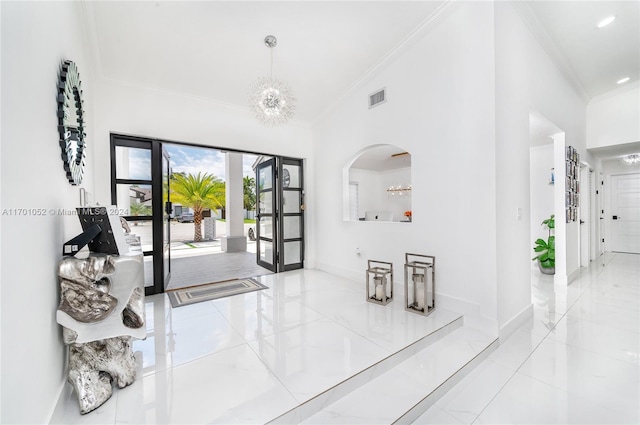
<point x="547" y="264"/>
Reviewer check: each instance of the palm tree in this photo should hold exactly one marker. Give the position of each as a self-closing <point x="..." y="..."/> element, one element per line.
<point x="197" y="192"/>
<point x="137" y="208"/>
<point x="249" y="190"/>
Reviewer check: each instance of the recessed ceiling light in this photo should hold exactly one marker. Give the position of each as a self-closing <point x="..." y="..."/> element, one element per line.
<point x="623" y="80"/>
<point x="606" y="21"/>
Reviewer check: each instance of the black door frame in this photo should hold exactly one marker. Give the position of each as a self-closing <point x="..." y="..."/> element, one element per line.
<point x="157" y="207"/>
<point x="278" y="214"/>
<point x="282" y="161"/>
<point x="270" y="192"/>
<point x="155" y="145"/>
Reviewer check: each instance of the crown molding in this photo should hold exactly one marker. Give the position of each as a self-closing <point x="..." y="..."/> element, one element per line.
<point x="616" y="92"/>
<point x="191" y="97"/>
<point x="428" y="24"/>
<point x="550" y="47"/>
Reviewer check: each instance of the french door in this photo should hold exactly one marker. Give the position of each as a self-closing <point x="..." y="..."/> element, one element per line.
<point x="140" y="172"/>
<point x="280" y="215"/>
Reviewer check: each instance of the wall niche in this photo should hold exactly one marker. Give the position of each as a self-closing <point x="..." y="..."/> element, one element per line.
<point x="377" y="185"/>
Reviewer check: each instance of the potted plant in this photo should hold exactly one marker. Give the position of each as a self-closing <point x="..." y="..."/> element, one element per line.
<point x="546" y="250"/>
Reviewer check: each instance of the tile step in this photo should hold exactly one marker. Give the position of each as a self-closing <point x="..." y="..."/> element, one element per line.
<point x="405" y="391"/>
<point x="356" y="382"/>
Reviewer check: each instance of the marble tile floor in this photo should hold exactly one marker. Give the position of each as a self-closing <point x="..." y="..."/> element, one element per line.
<point x="576" y="362"/>
<point x="247" y="359"/>
<point x="291" y="348"/>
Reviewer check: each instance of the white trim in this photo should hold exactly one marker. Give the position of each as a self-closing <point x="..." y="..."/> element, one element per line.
<point x="549" y="46"/>
<point x="425" y="26"/>
<point x="515" y="322"/>
<point x="473" y="318"/>
<point x="469" y="310"/>
<point x="342" y="272"/>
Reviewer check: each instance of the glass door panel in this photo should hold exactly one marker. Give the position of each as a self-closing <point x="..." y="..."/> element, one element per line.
<point x="133" y="163"/>
<point x="266" y="219"/>
<point x="292" y="253"/>
<point x="291" y="227"/>
<point x="291" y="176"/>
<point x="166" y="219"/>
<point x="291" y="221"/>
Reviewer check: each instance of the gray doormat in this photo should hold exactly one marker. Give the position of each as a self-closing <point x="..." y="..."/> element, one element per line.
<point x="212" y="291"/>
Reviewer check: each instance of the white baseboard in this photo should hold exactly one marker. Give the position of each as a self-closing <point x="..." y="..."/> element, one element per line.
<point x="470" y="311"/>
<point x="573" y="276"/>
<point x="566" y="280"/>
<point x="342" y="272"/>
<point x="515" y="322"/>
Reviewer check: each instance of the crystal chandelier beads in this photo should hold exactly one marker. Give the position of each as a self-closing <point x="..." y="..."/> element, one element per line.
<point x="633" y="159"/>
<point x="272" y="101"/>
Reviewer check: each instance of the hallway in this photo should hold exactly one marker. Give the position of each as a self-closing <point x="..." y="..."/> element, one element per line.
<point x="577" y="361"/>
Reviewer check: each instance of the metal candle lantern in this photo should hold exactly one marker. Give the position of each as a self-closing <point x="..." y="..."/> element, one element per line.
<point x="379" y="282"/>
<point x="420" y="271"/>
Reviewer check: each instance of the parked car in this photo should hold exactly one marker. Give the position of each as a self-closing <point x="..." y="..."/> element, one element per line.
<point x="186" y="217"/>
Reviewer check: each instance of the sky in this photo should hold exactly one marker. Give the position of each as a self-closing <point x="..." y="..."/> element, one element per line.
<point x="187" y="159"/>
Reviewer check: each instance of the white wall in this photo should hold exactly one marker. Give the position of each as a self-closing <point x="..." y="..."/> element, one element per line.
<point x="372" y="191"/>
<point x="441" y="90"/>
<point x="610" y="168"/>
<point x="36" y="37"/>
<point x="368" y="190"/>
<point x="541" y="192"/>
<point x="526" y="80"/>
<point x="614" y="118"/>
<point x="140" y="111"/>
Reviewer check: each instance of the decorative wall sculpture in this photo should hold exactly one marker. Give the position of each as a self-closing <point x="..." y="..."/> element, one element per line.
<point x="101" y="309"/>
<point x="572" y="189"/>
<point x="72" y="125"/>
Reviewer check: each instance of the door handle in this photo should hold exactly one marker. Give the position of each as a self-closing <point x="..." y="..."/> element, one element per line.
<point x="616" y="217"/>
<point x="581" y="221"/>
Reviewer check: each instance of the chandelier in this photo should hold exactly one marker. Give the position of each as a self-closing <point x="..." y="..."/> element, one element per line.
<point x="272" y="101"/>
<point x="399" y="191"/>
<point x="633" y="159"/>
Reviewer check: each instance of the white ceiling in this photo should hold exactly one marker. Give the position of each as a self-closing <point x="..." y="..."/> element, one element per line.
<point x="597" y="57"/>
<point x="215" y="49"/>
<point x="383" y="158"/>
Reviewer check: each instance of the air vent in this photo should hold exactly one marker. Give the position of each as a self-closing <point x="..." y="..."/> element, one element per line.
<point x="377" y="98"/>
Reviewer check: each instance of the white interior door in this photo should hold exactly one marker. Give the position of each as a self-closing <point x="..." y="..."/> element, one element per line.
<point x="600" y="213"/>
<point x="625" y="213"/>
<point x="585" y="218"/>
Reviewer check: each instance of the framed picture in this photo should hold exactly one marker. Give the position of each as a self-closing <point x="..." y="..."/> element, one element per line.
<point x="568" y="184"/>
<point x="568" y="168"/>
<point x="567" y="199"/>
<point x="568" y="215"/>
<point x="577" y="199"/>
<point x="568" y="153"/>
<point x="578" y="186"/>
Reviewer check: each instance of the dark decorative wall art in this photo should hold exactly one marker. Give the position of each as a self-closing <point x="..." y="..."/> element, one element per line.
<point x="572" y="187"/>
<point x="71" y="122"/>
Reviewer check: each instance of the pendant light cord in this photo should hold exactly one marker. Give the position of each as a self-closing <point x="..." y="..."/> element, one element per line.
<point x="271" y="52"/>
